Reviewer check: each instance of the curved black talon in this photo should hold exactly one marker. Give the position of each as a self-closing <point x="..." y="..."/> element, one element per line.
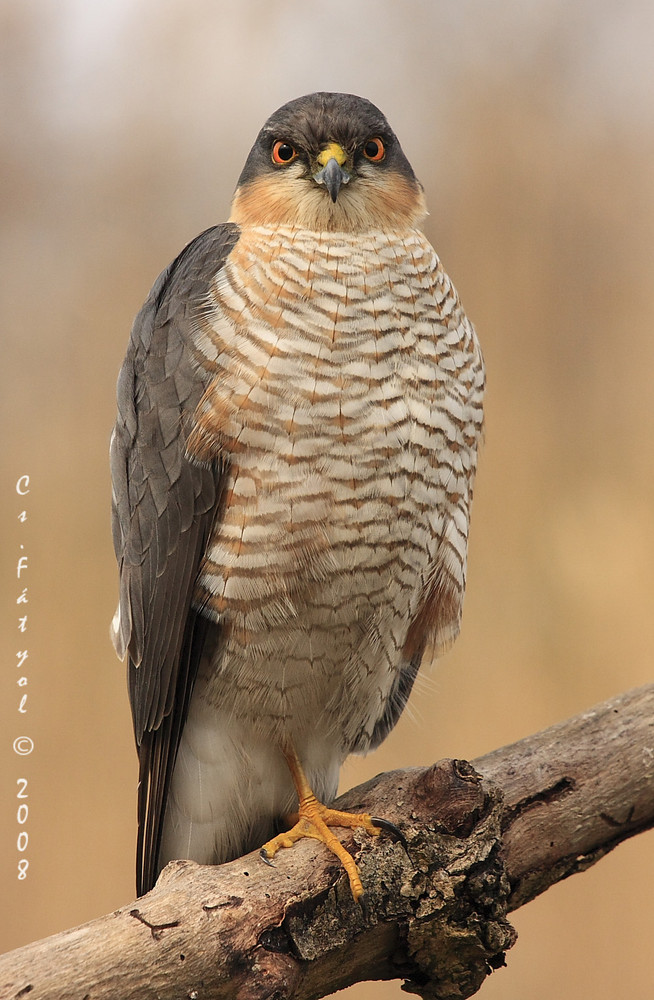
<point x="394" y="831"/>
<point x="264" y="857"/>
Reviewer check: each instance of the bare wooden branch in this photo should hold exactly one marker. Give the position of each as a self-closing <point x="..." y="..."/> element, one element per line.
<point x="482" y="840"/>
<point x="575" y="791"/>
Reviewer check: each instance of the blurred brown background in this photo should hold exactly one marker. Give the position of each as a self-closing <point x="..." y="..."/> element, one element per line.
<point x="124" y="127"/>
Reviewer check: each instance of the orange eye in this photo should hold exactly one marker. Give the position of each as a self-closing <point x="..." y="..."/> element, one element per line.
<point x="283" y="153"/>
<point x="374" y="150"/>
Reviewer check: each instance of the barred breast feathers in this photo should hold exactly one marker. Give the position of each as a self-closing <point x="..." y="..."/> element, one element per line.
<point x="345" y="383"/>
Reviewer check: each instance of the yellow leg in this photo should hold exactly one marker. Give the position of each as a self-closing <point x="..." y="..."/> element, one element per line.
<point x="314" y="820"/>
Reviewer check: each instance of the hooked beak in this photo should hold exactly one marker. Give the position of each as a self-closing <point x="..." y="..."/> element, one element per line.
<point x="332" y="175"/>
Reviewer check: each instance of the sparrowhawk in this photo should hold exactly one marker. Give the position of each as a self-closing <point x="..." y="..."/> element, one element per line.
<point x="293" y="462"/>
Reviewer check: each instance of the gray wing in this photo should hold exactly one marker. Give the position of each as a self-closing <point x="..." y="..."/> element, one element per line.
<point x="163" y="510"/>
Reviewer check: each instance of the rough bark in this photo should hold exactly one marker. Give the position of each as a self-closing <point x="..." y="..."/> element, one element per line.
<point x="482" y="839"/>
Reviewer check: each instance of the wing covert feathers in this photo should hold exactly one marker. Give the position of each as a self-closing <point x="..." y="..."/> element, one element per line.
<point x="163" y="509"/>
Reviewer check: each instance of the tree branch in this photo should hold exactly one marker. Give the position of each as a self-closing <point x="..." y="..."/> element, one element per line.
<point x="482" y="840"/>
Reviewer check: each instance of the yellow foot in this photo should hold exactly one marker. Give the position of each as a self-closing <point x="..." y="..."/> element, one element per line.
<point x="314" y="820"/>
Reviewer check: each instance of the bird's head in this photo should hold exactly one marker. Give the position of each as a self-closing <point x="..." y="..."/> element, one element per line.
<point x="328" y="162"/>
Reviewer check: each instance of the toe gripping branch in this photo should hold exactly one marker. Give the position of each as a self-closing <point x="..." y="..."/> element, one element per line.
<point x="314" y="820"/>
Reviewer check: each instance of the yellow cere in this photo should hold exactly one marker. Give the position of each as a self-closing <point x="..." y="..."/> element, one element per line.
<point x="332" y="151"/>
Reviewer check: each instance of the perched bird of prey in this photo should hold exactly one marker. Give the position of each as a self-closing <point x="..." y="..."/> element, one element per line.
<point x="293" y="461"/>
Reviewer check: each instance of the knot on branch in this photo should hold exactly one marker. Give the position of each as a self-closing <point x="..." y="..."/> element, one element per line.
<point x="460" y="931"/>
<point x="443" y="902"/>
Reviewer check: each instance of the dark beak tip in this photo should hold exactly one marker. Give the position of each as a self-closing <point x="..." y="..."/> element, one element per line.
<point x="333" y="177"/>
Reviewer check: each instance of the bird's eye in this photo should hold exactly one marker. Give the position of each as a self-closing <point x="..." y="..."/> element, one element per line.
<point x="283" y="153"/>
<point x="374" y="150"/>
